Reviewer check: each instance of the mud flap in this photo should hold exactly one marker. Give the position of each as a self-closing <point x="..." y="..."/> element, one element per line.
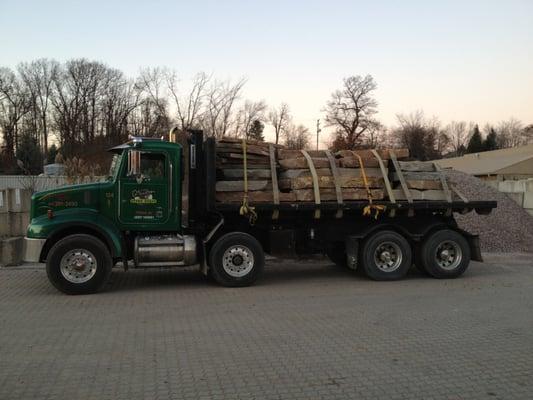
<point x="204" y="267"/>
<point x="475" y="247"/>
<point x="352" y="250"/>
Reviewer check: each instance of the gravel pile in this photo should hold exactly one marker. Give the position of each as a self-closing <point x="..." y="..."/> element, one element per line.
<point x="508" y="228"/>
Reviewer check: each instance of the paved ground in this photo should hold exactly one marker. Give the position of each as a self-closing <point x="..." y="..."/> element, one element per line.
<point x="308" y="330"/>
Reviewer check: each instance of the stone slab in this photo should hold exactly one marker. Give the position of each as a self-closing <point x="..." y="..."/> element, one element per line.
<point x="4" y="208"/>
<point x="4" y="225"/>
<point x="528" y="200"/>
<point x="18" y="223"/>
<point x="512" y="186"/>
<point x="11" y="251"/>
<point x="517" y="197"/>
<point x="19" y="200"/>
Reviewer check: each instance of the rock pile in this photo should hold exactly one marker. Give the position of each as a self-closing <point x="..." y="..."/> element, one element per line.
<point x="508" y="228"/>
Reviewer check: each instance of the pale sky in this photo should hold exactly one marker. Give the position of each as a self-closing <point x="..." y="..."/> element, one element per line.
<point x="457" y="60"/>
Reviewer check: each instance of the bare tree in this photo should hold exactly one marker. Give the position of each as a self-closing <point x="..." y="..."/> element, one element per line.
<point x="510" y="133"/>
<point x="280" y="119"/>
<point x="119" y="100"/>
<point x="459" y="133"/>
<point x="14" y="104"/>
<point x="78" y="89"/>
<point x="423" y="137"/>
<point x="153" y="118"/>
<point x="151" y="81"/>
<point x="189" y="106"/>
<point x="350" y="110"/>
<point x="296" y="137"/>
<point x="148" y="120"/>
<point x="375" y="136"/>
<point x="249" y="112"/>
<point x="38" y="76"/>
<point x="221" y="99"/>
<point x="528" y="133"/>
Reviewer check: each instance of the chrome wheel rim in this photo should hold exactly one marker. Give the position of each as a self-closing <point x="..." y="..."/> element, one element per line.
<point x="448" y="255"/>
<point x="78" y="265"/>
<point x="388" y="256"/>
<point x="238" y="261"/>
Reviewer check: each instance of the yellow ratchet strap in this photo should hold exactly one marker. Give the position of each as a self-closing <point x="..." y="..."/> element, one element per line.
<point x="316" y="185"/>
<point x="367" y="211"/>
<point x="274" y="176"/>
<point x="246" y="209"/>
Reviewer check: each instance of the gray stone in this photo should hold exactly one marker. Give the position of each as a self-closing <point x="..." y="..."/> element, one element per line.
<point x="528" y="200"/>
<point x="11" y="251"/>
<point x="19" y="200"/>
<point x="5" y="227"/>
<point x="18" y="223"/>
<point x="517" y="197"/>
<point x="4" y="208"/>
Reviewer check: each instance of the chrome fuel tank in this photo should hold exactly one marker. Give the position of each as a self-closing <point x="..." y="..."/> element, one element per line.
<point x="164" y="251"/>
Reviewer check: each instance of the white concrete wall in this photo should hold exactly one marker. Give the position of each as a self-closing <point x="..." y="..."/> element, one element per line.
<point x="520" y="191"/>
<point x="15" y="199"/>
<point x="14" y="212"/>
<point x="39" y="183"/>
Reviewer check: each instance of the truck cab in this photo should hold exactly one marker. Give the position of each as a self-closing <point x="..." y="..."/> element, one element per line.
<point x="135" y="208"/>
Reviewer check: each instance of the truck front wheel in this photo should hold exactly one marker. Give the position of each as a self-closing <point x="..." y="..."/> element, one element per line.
<point x="79" y="264"/>
<point x="236" y="259"/>
<point x="445" y="254"/>
<point x="386" y="256"/>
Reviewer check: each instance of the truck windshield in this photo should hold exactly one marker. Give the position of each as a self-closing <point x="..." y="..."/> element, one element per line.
<point x="113" y="169"/>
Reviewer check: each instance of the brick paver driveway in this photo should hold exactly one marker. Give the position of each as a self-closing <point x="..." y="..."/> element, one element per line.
<point x="308" y="330"/>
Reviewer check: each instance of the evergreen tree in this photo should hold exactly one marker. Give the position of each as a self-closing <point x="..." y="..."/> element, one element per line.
<point x="256" y="131"/>
<point x="29" y="154"/>
<point x="475" y="144"/>
<point x="52" y="153"/>
<point x="491" y="141"/>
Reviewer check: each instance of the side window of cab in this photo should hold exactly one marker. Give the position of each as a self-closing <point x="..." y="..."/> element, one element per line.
<point x="146" y="166"/>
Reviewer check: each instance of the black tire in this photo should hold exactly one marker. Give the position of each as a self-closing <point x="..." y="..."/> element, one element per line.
<point x="431" y="257"/>
<point x="228" y="260"/>
<point x="91" y="247"/>
<point x="387" y="244"/>
<point x="336" y="252"/>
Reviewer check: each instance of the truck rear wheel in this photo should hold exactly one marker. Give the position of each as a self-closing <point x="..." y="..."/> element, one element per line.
<point x="445" y="254"/>
<point x="79" y="264"/>
<point x="236" y="259"/>
<point x="386" y="256"/>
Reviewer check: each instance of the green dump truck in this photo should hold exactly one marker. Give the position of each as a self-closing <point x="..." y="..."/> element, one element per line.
<point x="135" y="217"/>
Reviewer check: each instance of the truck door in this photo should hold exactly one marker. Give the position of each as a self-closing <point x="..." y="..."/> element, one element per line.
<point x="144" y="190"/>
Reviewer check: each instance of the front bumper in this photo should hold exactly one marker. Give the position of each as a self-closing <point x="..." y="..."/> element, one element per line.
<point x="32" y="248"/>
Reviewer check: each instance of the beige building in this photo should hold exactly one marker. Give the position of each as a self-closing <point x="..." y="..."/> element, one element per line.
<point x="506" y="164"/>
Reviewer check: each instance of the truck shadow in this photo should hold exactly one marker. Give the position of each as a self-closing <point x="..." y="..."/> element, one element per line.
<point x="156" y="278"/>
<point x="275" y="273"/>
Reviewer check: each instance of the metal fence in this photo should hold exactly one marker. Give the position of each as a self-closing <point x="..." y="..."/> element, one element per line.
<point x="38" y="183"/>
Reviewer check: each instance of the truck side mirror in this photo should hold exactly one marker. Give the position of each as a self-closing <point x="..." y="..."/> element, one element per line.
<point x="134" y="163"/>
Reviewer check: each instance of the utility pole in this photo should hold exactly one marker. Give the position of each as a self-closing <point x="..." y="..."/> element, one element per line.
<point x="318" y="130"/>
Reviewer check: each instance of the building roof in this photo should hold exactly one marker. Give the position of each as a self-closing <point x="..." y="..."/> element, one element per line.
<point x="512" y="160"/>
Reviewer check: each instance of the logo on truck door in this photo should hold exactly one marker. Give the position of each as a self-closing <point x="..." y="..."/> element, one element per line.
<point x="142" y="196"/>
